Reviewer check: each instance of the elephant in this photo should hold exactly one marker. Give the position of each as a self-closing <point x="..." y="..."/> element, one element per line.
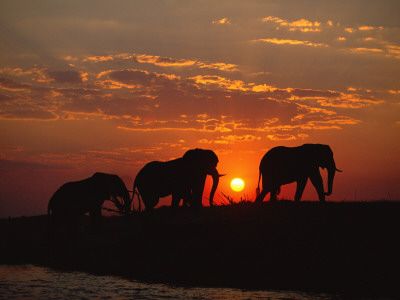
<point x="282" y="165"/>
<point x="74" y="199"/>
<point x="183" y="178"/>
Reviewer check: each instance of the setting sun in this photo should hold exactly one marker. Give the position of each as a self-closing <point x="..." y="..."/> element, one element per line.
<point x="237" y="184"/>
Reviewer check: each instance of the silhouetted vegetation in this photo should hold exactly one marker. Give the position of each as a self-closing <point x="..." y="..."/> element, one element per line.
<point x="228" y="200"/>
<point x="344" y="248"/>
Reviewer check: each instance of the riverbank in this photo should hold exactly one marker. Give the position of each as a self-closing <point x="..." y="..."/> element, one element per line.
<point x="338" y="248"/>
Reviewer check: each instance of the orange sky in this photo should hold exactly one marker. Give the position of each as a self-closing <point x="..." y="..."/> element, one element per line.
<point x="100" y="86"/>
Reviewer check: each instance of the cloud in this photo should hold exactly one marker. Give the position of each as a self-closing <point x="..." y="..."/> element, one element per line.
<point x="132" y="78"/>
<point x="394" y="50"/>
<point x="73" y="77"/>
<point x="28" y="114"/>
<point x="10" y="85"/>
<point x="162" y="61"/>
<point x="171" y="62"/>
<point x="281" y="137"/>
<point x="303" y="25"/>
<point x="218" y="66"/>
<point x="35" y="74"/>
<point x="221" y="82"/>
<point x="364" y="28"/>
<point x="223" y="21"/>
<point x="290" y="42"/>
<point x="138" y="100"/>
<point x="231" y="139"/>
<point x="95" y="58"/>
<point x="366" y="50"/>
<point x="353" y="40"/>
<point x="349" y="102"/>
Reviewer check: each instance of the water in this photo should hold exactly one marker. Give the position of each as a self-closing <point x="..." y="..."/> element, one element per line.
<point x="31" y="282"/>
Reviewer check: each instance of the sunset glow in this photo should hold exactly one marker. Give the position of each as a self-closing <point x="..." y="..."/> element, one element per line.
<point x="87" y="89"/>
<point x="237" y="184"/>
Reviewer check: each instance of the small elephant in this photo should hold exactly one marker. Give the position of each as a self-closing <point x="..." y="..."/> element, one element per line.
<point x="183" y="178"/>
<point x="74" y="199"/>
<point x="283" y="165"/>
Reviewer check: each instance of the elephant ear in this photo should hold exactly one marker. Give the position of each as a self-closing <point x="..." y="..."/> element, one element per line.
<point x="320" y="154"/>
<point x="323" y="157"/>
<point x="200" y="158"/>
<point x="193" y="154"/>
<point x="101" y="179"/>
<point x="193" y="160"/>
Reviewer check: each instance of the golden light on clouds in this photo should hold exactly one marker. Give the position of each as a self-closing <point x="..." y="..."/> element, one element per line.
<point x="222" y="21"/>
<point x="290" y="42"/>
<point x="303" y="25"/>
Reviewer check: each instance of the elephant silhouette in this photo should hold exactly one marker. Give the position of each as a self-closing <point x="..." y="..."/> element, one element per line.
<point x="183" y="178"/>
<point x="74" y="199"/>
<point x="282" y="165"/>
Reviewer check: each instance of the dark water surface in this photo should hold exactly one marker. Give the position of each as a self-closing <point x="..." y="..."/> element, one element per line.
<point x="31" y="282"/>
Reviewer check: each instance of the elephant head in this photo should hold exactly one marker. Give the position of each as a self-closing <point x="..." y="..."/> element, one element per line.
<point x="203" y="163"/>
<point x="114" y="187"/>
<point x="323" y="157"/>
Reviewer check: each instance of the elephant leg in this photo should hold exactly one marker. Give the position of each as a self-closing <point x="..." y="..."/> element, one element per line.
<point x="316" y="180"/>
<point x="55" y="226"/>
<point x="301" y="184"/>
<point x="187" y="199"/>
<point x="273" y="194"/>
<point x="149" y="200"/>
<point x="95" y="217"/>
<point x="261" y="196"/>
<point x="175" y="201"/>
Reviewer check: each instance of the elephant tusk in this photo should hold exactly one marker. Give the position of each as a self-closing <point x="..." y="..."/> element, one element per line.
<point x="338" y="170"/>
<point x="221" y="175"/>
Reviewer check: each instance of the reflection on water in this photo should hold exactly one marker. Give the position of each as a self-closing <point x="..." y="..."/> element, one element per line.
<point x="31" y="282"/>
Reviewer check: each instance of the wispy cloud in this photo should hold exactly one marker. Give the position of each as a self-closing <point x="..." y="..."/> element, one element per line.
<point x="160" y="61"/>
<point x="366" y="50"/>
<point x="231" y="139"/>
<point x="164" y="61"/>
<point x="223" y="21"/>
<point x="290" y="42"/>
<point x="365" y="28"/>
<point x="28" y="114"/>
<point x="356" y="40"/>
<point x="303" y="25"/>
<point x="93" y="58"/>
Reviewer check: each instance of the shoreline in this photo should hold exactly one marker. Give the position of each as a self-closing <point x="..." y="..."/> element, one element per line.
<point x="345" y="248"/>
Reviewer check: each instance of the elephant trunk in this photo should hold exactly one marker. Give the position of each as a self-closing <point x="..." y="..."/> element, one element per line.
<point x="127" y="202"/>
<point x="331" y="176"/>
<point x="215" y="176"/>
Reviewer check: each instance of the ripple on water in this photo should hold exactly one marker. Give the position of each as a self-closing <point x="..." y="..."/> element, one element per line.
<point x="29" y="282"/>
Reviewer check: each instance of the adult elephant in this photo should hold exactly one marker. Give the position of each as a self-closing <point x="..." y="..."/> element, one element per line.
<point x="283" y="165"/>
<point x="76" y="198"/>
<point x="183" y="178"/>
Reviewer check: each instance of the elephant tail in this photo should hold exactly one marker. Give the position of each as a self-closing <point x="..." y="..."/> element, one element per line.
<point x="258" y="184"/>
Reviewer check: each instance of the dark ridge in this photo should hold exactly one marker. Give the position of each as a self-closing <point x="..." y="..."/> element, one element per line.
<point x="346" y="248"/>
